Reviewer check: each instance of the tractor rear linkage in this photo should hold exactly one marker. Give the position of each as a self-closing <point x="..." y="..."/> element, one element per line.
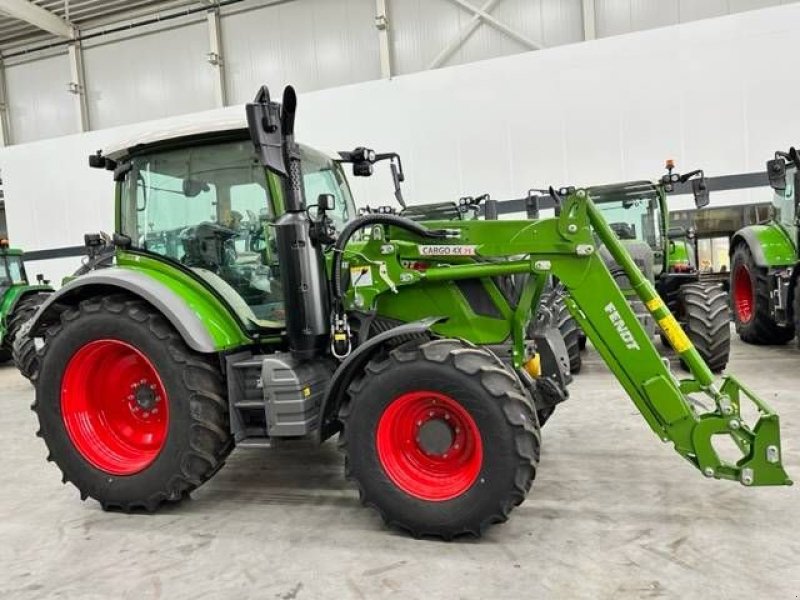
<point x="565" y="247"/>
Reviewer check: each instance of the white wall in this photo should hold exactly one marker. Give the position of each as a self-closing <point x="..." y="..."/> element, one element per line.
<point x="39" y="104"/>
<point x="709" y="94"/>
<point x="162" y="69"/>
<point x="148" y="77"/>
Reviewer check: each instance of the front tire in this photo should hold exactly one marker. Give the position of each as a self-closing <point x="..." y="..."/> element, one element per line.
<point x="750" y="302"/>
<point x="131" y="416"/>
<point x="440" y="438"/>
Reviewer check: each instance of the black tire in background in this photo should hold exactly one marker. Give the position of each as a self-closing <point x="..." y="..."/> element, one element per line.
<point x="478" y="391"/>
<point x="23" y="349"/>
<point x="197" y="436"/>
<point x="750" y="303"/>
<point x="706" y="319"/>
<point x="554" y="302"/>
<point x="796" y="308"/>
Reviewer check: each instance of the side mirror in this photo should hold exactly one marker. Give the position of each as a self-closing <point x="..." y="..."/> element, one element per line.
<point x="702" y="197"/>
<point x="97" y="161"/>
<point x="326" y="202"/>
<point x="776" y="172"/>
<point x="677" y="233"/>
<point x="264" y="123"/>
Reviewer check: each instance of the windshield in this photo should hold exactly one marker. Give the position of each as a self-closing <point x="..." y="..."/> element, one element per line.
<point x="784" y="201"/>
<point x="633" y="212"/>
<point x="209" y="208"/>
<point x="12" y="273"/>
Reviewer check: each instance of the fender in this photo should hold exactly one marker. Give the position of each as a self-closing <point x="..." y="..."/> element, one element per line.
<point x="354" y="364"/>
<point x="174" y="308"/>
<point x="769" y="245"/>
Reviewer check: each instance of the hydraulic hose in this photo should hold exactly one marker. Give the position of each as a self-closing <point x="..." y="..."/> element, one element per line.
<point x="377" y="219"/>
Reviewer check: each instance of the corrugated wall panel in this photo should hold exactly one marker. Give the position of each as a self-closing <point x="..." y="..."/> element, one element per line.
<point x="148" y="77"/>
<point x="616" y="17"/>
<point x="422" y="29"/>
<point x="312" y="44"/>
<point x="692" y="10"/>
<point x="649" y="14"/>
<point x="612" y="17"/>
<point x="39" y="104"/>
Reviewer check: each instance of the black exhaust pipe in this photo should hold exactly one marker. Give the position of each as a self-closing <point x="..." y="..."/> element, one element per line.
<point x="305" y="285"/>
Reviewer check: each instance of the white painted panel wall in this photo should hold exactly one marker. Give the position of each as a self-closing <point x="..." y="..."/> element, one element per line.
<point x="579" y="114"/>
<point x="39" y="105"/>
<point x="421" y="29"/>
<point x="312" y="43"/>
<point x="149" y="77"/>
<point x="616" y="17"/>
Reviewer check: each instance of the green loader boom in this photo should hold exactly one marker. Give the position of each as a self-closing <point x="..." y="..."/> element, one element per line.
<point x="691" y="413"/>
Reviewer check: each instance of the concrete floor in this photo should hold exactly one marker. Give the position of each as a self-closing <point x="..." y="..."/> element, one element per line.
<point x="613" y="514"/>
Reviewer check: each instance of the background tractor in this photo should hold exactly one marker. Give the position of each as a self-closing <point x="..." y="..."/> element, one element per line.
<point x="765" y="293"/>
<point x="19" y="300"/>
<point x="286" y="321"/>
<point x="638" y="214"/>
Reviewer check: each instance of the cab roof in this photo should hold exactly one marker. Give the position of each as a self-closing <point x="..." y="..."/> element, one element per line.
<point x="235" y="126"/>
<point x="219" y="125"/>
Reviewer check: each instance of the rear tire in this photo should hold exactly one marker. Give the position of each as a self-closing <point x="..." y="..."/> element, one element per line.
<point x="484" y="460"/>
<point x="98" y="416"/>
<point x="23" y="348"/>
<point x="707" y="322"/>
<point x="750" y="302"/>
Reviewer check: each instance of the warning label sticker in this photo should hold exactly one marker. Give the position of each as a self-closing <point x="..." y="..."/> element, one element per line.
<point x="361" y="276"/>
<point x="447" y="250"/>
<point x="677" y="337"/>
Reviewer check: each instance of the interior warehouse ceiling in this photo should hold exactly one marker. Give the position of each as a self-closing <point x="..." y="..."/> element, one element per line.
<point x="82" y="14"/>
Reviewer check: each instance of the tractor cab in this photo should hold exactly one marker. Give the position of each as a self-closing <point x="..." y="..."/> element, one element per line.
<point x="203" y="202"/>
<point x="12" y="270"/>
<point x="784" y="178"/>
<point x="636" y="213"/>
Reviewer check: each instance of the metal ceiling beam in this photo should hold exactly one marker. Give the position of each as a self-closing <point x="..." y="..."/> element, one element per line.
<point x="500" y="26"/>
<point x="27" y="11"/>
<point x="77" y="85"/>
<point x="384" y="46"/>
<point x="5" y="133"/>
<point x="215" y="58"/>
<point x="462" y="36"/>
<point x="589" y="20"/>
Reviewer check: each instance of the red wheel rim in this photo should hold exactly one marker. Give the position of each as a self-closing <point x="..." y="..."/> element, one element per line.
<point x="114" y="407"/>
<point x="743" y="294"/>
<point x="416" y="468"/>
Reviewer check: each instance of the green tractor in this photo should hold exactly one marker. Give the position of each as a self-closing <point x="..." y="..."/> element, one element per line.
<point x="19" y="300"/>
<point x="242" y="308"/>
<point x="638" y="214"/>
<point x="765" y="293"/>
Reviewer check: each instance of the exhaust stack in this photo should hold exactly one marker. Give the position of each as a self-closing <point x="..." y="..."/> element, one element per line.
<point x="305" y="285"/>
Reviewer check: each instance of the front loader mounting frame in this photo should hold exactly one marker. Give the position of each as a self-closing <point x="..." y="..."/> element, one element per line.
<point x="566" y="248"/>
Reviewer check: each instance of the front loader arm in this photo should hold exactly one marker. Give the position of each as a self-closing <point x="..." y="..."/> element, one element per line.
<point x="692" y="413"/>
<point x="672" y="408"/>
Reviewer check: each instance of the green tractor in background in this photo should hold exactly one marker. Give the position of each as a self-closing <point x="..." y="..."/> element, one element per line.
<point x="765" y="279"/>
<point x="19" y="300"/>
<point x="243" y="309"/>
<point x="638" y="214"/>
